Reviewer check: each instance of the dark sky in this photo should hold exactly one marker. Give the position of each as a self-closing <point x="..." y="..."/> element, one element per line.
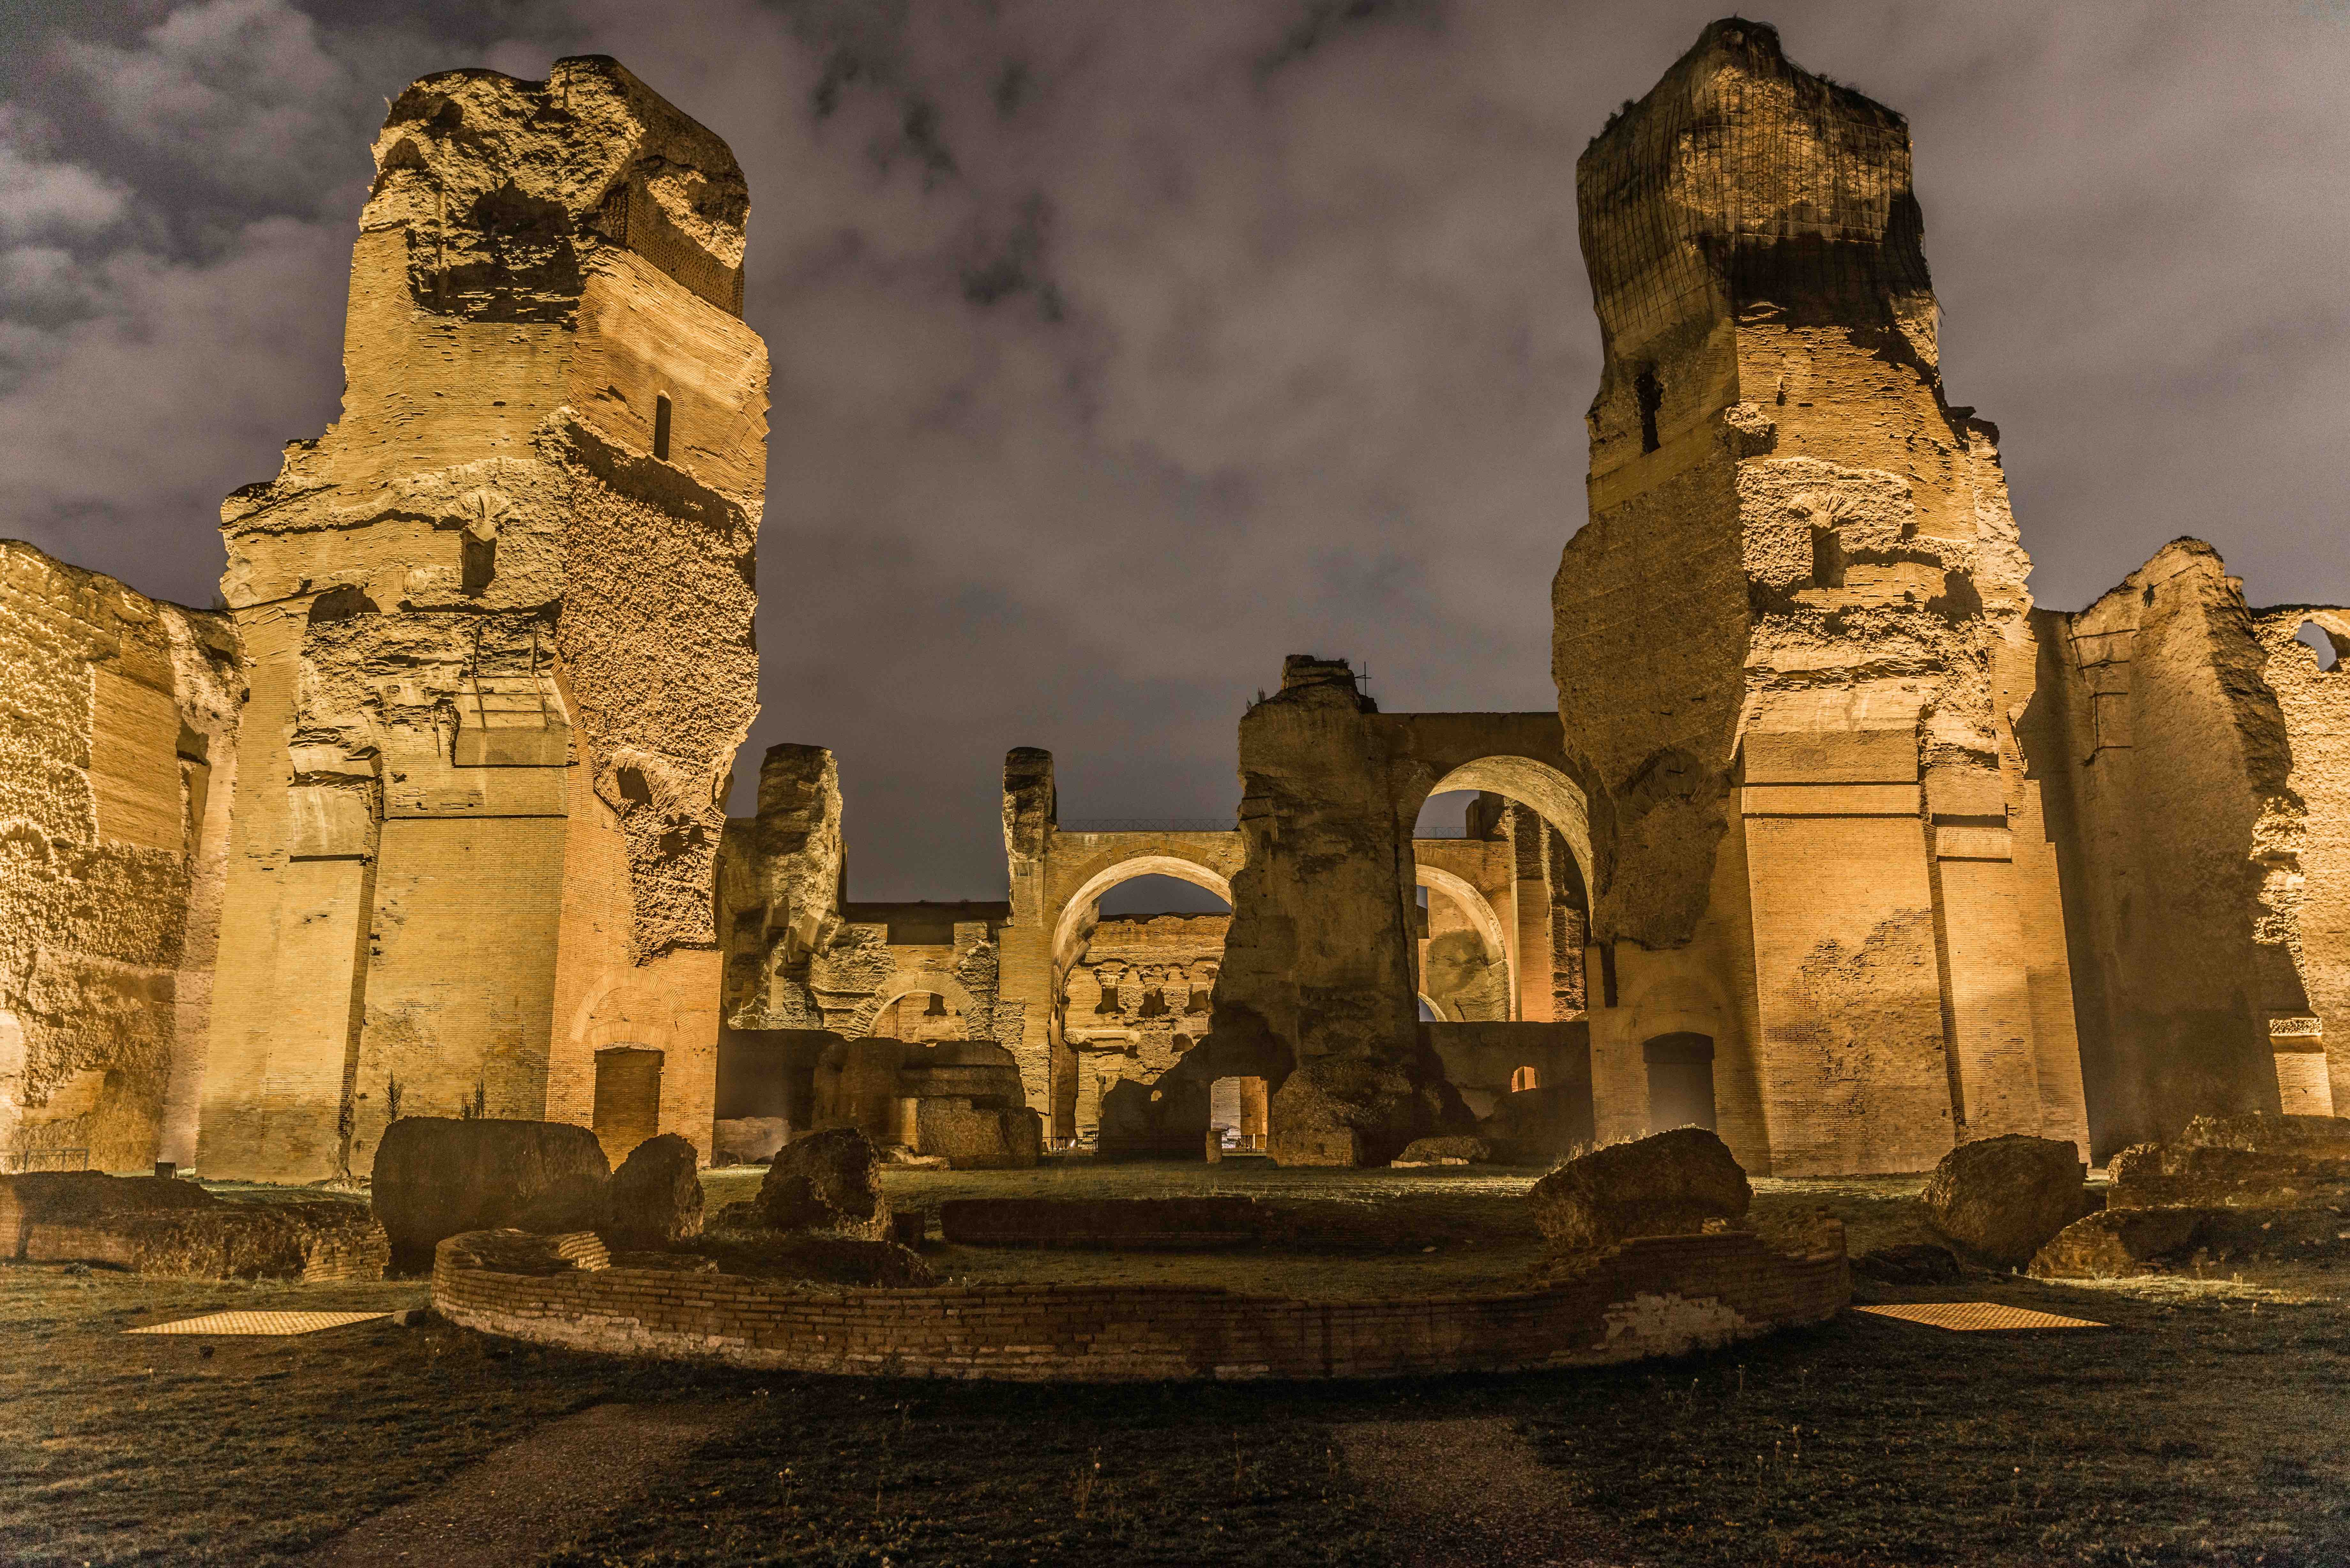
<point x="1122" y="349"/>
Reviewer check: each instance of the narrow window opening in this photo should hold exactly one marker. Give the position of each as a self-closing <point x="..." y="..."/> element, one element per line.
<point x="1525" y="1078"/>
<point x="661" y="427"/>
<point x="1651" y="397"/>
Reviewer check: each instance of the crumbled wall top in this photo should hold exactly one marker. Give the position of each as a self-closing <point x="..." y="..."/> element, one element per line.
<point x="1742" y="180"/>
<point x="502" y="184"/>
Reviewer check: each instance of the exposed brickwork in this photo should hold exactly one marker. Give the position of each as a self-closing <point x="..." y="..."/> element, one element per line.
<point x="1655" y="1296"/>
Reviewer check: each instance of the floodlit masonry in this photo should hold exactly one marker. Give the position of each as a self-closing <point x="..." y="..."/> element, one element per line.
<point x="1837" y="842"/>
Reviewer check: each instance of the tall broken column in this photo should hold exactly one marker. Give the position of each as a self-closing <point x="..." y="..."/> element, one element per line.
<point x="497" y="621"/>
<point x="1792" y="639"/>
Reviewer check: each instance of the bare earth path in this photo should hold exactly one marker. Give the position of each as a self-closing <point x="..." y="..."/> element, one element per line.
<point x="1470" y="1493"/>
<point x="530" y="1497"/>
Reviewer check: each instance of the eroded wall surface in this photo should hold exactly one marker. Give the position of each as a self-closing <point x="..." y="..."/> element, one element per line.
<point x="117" y="732"/>
<point x="497" y="621"/>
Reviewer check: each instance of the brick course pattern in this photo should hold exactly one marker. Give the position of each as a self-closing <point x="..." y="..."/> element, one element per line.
<point x="1661" y="1295"/>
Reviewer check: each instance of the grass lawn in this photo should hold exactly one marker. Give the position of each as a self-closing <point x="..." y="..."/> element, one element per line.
<point x="2207" y="1425"/>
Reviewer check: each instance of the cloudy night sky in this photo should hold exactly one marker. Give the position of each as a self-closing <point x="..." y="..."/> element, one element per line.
<point x="1122" y="349"/>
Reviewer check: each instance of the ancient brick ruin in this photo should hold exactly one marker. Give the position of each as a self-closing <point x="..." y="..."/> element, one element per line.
<point x="1837" y="842"/>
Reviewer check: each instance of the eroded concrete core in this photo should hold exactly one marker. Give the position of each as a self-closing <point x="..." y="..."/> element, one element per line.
<point x="497" y="624"/>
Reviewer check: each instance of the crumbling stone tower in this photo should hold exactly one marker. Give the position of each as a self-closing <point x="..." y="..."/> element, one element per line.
<point x="1792" y="640"/>
<point x="497" y="621"/>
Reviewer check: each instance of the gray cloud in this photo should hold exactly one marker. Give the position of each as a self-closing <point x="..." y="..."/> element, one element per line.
<point x="1121" y="350"/>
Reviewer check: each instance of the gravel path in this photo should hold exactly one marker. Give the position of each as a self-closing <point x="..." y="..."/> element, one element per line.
<point x="1471" y="1494"/>
<point x="530" y="1497"/>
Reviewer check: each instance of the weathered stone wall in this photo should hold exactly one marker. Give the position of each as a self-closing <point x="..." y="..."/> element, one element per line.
<point x="1790" y="638"/>
<point x="2183" y="822"/>
<point x="497" y="622"/>
<point x="117" y="735"/>
<point x="2311" y="898"/>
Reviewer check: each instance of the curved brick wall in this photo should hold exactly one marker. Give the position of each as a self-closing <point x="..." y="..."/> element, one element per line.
<point x="1658" y="1296"/>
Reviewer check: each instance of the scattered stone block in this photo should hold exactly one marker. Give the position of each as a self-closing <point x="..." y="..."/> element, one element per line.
<point x="82" y="1197"/>
<point x="437" y="1176"/>
<point x="2002" y="1198"/>
<point x="748" y="1140"/>
<point x="1451" y="1150"/>
<point x="1669" y="1184"/>
<point x="1359" y="1110"/>
<point x="2116" y="1242"/>
<point x="2325" y="1137"/>
<point x="828" y="1181"/>
<point x="979" y="1137"/>
<point x="1539" y="1126"/>
<point x="2177" y="1176"/>
<point x="654" y="1201"/>
<point x="316" y="1240"/>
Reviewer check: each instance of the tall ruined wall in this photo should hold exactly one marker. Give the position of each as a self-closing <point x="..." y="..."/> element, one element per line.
<point x="2312" y="896"/>
<point x="2184" y="825"/>
<point x="1794" y="624"/>
<point x="118" y="731"/>
<point x="498" y="624"/>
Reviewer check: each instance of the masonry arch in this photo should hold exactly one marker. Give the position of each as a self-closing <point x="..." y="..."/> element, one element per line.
<point x="1083" y="900"/>
<point x="932" y="982"/>
<point x="1540" y="784"/>
<point x="1487" y="923"/>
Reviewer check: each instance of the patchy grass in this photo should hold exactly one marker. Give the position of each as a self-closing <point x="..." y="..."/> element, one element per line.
<point x="2205" y="1426"/>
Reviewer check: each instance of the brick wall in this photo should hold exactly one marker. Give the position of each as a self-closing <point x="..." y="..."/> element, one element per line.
<point x="1655" y="1296"/>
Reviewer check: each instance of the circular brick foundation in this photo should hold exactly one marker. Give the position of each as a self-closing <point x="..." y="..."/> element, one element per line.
<point x="1662" y="1295"/>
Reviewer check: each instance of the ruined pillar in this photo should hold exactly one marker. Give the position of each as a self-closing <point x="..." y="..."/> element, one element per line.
<point x="497" y="621"/>
<point x="1797" y="618"/>
<point x="1025" y="979"/>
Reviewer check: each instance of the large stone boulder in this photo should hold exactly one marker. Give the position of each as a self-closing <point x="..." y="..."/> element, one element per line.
<point x="828" y="1181"/>
<point x="437" y="1176"/>
<point x="654" y="1201"/>
<point x="83" y="1197"/>
<point x="977" y="1137"/>
<point x="1358" y="1110"/>
<point x="2116" y="1242"/>
<point x="1666" y="1185"/>
<point x="2000" y="1199"/>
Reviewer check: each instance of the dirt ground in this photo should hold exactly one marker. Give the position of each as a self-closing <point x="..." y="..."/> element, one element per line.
<point x="2204" y="1424"/>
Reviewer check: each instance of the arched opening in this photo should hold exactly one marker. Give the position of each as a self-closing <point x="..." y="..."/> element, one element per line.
<point x="1680" y="1081"/>
<point x="924" y="1017"/>
<point x="1136" y="953"/>
<point x="2327" y="645"/>
<point x="1525" y="1077"/>
<point x="628" y="1099"/>
<point x="1464" y="951"/>
<point x="1429" y="1012"/>
<point x="1239" y="1114"/>
<point x="1526" y="842"/>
